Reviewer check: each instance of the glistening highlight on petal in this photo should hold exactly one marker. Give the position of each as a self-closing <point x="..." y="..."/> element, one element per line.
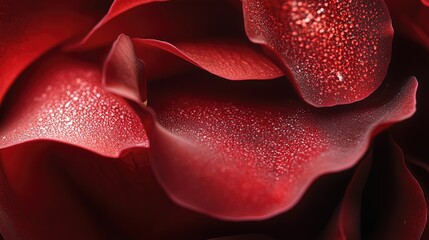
<point x="337" y="52"/>
<point x="63" y="100"/>
<point x="247" y="150"/>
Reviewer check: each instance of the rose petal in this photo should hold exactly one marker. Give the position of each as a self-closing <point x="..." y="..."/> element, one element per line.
<point x="411" y="18"/>
<point x="163" y="19"/>
<point x="27" y="32"/>
<point x="63" y="100"/>
<point x="409" y="57"/>
<point x="253" y="156"/>
<point x="230" y="59"/>
<point x="118" y="7"/>
<point x="9" y="215"/>
<point x="425" y="2"/>
<point x="391" y="188"/>
<point x="346" y="221"/>
<point x="421" y="171"/>
<point x="248" y="150"/>
<point x="66" y="192"/>
<point x="393" y="205"/>
<point x="337" y="52"/>
<point x="123" y="72"/>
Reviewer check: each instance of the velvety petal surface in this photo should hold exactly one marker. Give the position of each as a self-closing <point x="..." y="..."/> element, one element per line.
<point x="411" y="18"/>
<point x="393" y="203"/>
<point x="420" y="170"/>
<point x="230" y="59"/>
<point x="166" y="20"/>
<point x="26" y="31"/>
<point x="248" y="150"/>
<point x="66" y="192"/>
<point x="345" y="223"/>
<point x="117" y="7"/>
<point x="123" y="72"/>
<point x="394" y="206"/>
<point x="62" y="99"/>
<point x="9" y="215"/>
<point x="337" y="52"/>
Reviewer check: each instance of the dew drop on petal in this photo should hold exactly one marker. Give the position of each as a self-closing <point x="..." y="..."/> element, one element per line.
<point x="337" y="51"/>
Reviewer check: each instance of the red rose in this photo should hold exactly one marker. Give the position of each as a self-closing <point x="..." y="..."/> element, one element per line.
<point x="203" y="119"/>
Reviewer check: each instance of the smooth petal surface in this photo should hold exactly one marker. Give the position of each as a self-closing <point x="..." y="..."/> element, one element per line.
<point x="425" y="2"/>
<point x="393" y="203"/>
<point x="117" y="7"/>
<point x="337" y="52"/>
<point x="166" y="20"/>
<point x="346" y="221"/>
<point x="26" y="31"/>
<point x="230" y="59"/>
<point x="421" y="172"/>
<point x="394" y="206"/>
<point x="63" y="100"/>
<point x="123" y="72"/>
<point x="9" y="215"/>
<point x="247" y="150"/>
<point x="66" y="192"/>
<point x="411" y="18"/>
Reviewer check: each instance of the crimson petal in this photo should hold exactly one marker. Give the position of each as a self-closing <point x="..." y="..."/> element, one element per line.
<point x="65" y="192"/>
<point x="117" y="7"/>
<point x="337" y="52"/>
<point x="230" y="59"/>
<point x="394" y="193"/>
<point x="421" y="171"/>
<point x="123" y="72"/>
<point x="63" y="100"/>
<point x="27" y="32"/>
<point x="411" y="18"/>
<point x="163" y="19"/>
<point x="393" y="203"/>
<point x="253" y="156"/>
<point x="247" y="150"/>
<point x="346" y="221"/>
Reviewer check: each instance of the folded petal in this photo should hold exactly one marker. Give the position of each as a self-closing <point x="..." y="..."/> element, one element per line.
<point x="394" y="206"/>
<point x="66" y="192"/>
<point x="123" y="72"/>
<point x="409" y="57"/>
<point x="247" y="150"/>
<point x="337" y="52"/>
<point x="117" y="7"/>
<point x="345" y="223"/>
<point x="393" y="203"/>
<point x="420" y="169"/>
<point x="411" y="18"/>
<point x="230" y="59"/>
<point x="62" y="99"/>
<point x="26" y="31"/>
<point x="163" y="19"/>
